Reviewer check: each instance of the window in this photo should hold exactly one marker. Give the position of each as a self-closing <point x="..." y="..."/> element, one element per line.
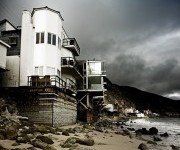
<point x="39" y="37"/>
<point x="51" y="39"/>
<point x="59" y="43"/>
<point x="12" y="40"/>
<point x="54" y="39"/>
<point x="38" y="70"/>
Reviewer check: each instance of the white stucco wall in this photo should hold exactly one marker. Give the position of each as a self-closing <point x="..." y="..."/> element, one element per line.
<point x="3" y="52"/>
<point x="11" y="77"/>
<point x="27" y="48"/>
<point x="66" y="52"/>
<point x="47" y="55"/>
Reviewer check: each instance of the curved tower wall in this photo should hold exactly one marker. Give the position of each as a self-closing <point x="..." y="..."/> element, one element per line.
<point x="47" y="55"/>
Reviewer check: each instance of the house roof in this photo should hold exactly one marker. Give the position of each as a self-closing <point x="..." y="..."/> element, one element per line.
<point x="47" y="8"/>
<point x="5" y="20"/>
<point x="5" y="44"/>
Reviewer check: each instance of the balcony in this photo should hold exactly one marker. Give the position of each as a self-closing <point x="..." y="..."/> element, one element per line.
<point x="69" y="65"/>
<point x="71" y="44"/>
<point x="50" y="81"/>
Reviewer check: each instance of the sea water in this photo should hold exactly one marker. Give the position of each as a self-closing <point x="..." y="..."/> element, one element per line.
<point x="169" y="125"/>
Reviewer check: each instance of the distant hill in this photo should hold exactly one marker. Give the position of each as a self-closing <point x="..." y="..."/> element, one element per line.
<point x="127" y="97"/>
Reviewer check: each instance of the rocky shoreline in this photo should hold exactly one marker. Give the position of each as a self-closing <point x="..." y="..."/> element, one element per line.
<point x="18" y="133"/>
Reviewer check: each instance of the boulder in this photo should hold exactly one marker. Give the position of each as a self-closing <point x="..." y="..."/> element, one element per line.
<point x="175" y="147"/>
<point x="157" y="138"/>
<point x="77" y="129"/>
<point x="11" y="132"/>
<point x="45" y="139"/>
<point x="2" y="148"/>
<point x="39" y="144"/>
<point x="49" y="147"/>
<point x="23" y="139"/>
<point x="70" y="143"/>
<point x="143" y="146"/>
<point x="66" y="133"/>
<point x="153" y="131"/>
<point x="152" y="142"/>
<point x="164" y="134"/>
<point x="86" y="141"/>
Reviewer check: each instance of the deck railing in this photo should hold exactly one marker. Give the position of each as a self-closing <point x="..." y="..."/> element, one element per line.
<point x="71" y="42"/>
<point x="50" y="80"/>
<point x="70" y="61"/>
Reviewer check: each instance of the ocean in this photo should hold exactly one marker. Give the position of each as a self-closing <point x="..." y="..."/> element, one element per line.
<point x="169" y="125"/>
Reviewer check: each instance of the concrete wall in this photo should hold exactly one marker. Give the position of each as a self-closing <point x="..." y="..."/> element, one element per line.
<point x="11" y="77"/>
<point x="61" y="111"/>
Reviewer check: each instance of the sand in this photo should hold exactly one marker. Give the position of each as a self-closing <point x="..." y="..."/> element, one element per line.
<point x="103" y="141"/>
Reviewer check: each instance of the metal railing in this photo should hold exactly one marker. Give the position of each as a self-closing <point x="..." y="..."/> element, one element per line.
<point x="71" y="42"/>
<point x="50" y="80"/>
<point x="71" y="85"/>
<point x="71" y="62"/>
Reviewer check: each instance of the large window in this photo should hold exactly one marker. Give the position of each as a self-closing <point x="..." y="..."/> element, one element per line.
<point x="94" y="68"/>
<point x="94" y="83"/>
<point x="38" y="70"/>
<point x="59" y="43"/>
<point x="39" y="37"/>
<point x="51" y="39"/>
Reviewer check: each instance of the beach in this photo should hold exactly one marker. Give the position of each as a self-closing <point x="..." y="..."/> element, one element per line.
<point x="108" y="140"/>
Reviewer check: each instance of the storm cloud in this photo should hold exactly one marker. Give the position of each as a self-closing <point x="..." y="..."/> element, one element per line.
<point x="137" y="39"/>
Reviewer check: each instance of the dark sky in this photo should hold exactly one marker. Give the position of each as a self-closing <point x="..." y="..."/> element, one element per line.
<point x="139" y="40"/>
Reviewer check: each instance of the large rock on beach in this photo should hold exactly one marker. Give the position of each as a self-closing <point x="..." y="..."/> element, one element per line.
<point x="11" y="132"/>
<point x="153" y="131"/>
<point x="157" y="138"/>
<point x="143" y="146"/>
<point x="45" y="139"/>
<point x="39" y="144"/>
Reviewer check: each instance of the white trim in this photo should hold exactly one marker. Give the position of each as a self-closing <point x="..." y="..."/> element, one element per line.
<point x="5" y="44"/>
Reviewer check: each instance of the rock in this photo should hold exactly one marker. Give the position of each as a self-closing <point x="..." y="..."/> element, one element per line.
<point x="15" y="144"/>
<point x="175" y="147"/>
<point x="164" y="134"/>
<point x="153" y="131"/>
<point x="42" y="129"/>
<point x="49" y="147"/>
<point x="142" y="146"/>
<point x="151" y="142"/>
<point x="86" y="141"/>
<point x="131" y="129"/>
<point x="157" y="138"/>
<point x="2" y="137"/>
<point x="70" y="130"/>
<point x="66" y="133"/>
<point x="77" y="129"/>
<point x="142" y="131"/>
<point x="126" y="132"/>
<point x="23" y="139"/>
<point x="2" y="148"/>
<point x="39" y="144"/>
<point x="31" y="148"/>
<point x="11" y="132"/>
<point x="99" y="129"/>
<point x="45" y="139"/>
<point x="69" y="143"/>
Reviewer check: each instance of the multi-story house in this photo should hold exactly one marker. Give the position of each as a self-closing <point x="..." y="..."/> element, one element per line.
<point x="3" y="53"/>
<point x="44" y="71"/>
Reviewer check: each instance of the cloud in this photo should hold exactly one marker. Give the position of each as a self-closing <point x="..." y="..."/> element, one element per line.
<point x="138" y="40"/>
